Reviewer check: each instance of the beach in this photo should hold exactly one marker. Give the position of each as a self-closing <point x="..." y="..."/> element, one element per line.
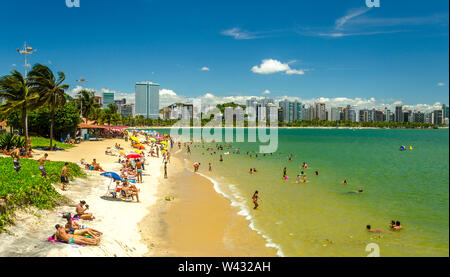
<point x="118" y="220"/>
<point x="197" y="221"/>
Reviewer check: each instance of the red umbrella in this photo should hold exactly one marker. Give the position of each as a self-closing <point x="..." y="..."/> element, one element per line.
<point x="134" y="156"/>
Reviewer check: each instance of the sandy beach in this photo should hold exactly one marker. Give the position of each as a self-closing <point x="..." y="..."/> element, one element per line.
<point x="198" y="221"/>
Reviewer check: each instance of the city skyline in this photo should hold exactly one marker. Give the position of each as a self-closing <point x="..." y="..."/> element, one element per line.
<point x="347" y="53"/>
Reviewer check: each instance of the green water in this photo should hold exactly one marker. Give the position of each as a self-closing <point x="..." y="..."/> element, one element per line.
<point x="322" y="217"/>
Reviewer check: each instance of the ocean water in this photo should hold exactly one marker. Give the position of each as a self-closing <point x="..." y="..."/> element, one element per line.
<point x="323" y="217"/>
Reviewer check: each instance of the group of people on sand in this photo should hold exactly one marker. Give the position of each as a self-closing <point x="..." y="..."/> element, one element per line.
<point x="74" y="233"/>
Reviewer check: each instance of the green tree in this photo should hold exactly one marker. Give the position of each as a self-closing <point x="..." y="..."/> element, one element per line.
<point x="51" y="90"/>
<point x="19" y="96"/>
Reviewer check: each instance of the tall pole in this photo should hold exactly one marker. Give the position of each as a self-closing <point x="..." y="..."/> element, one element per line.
<point x="27" y="50"/>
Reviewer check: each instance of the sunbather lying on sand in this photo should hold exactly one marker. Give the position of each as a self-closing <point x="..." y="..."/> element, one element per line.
<point x="77" y="229"/>
<point x="62" y="235"/>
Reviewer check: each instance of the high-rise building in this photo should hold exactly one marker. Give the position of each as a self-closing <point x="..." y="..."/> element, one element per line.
<point x="444" y="111"/>
<point x="437" y="117"/>
<point x="147" y="99"/>
<point x="388" y="115"/>
<point x="334" y="114"/>
<point x="418" y="117"/>
<point x="398" y="114"/>
<point x="298" y="112"/>
<point x="320" y="111"/>
<point x="108" y="98"/>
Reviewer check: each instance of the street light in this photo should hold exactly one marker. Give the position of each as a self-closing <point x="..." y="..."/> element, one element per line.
<point x="81" y="81"/>
<point x="26" y="50"/>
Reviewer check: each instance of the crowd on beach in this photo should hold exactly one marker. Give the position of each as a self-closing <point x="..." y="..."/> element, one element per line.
<point x="131" y="174"/>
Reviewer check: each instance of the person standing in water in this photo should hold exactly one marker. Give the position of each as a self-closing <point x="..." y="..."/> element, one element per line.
<point x="209" y="167"/>
<point x="284" y="173"/>
<point x="221" y="158"/>
<point x="255" y="199"/>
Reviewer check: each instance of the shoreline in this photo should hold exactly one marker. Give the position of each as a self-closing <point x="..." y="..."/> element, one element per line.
<point x="199" y="220"/>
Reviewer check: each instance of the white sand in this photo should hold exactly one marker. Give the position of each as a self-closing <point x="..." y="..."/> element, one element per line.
<point x="118" y="220"/>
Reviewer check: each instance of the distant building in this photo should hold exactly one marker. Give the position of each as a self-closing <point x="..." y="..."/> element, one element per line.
<point x="147" y="99"/>
<point x="320" y="111"/>
<point x="119" y="104"/>
<point x="98" y="100"/>
<point x="444" y="111"/>
<point x="108" y="98"/>
<point x="334" y="114"/>
<point x="418" y="117"/>
<point x="437" y="117"/>
<point x="127" y="110"/>
<point x="399" y="114"/>
<point x="388" y="115"/>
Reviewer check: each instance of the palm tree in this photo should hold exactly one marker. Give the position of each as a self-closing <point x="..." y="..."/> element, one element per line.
<point x="19" y="96"/>
<point x="87" y="101"/>
<point x="51" y="90"/>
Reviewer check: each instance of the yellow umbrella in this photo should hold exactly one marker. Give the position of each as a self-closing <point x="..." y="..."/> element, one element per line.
<point x="135" y="139"/>
<point x="138" y="151"/>
<point x="121" y="152"/>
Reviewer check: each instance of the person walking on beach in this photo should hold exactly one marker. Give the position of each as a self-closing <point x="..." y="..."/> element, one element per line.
<point x="165" y="170"/>
<point x="64" y="179"/>
<point x="209" y="167"/>
<point x="41" y="165"/>
<point x="284" y="173"/>
<point x="139" y="169"/>
<point x="255" y="199"/>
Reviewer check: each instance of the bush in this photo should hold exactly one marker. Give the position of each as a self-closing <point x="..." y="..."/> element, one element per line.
<point x="28" y="188"/>
<point x="10" y="141"/>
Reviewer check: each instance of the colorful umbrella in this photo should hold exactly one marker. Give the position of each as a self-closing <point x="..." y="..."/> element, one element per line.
<point x="134" y="156"/>
<point x="121" y="152"/>
<point x="138" y="151"/>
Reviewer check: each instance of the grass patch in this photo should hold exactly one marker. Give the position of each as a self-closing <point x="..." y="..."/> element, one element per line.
<point x="37" y="142"/>
<point x="28" y="188"/>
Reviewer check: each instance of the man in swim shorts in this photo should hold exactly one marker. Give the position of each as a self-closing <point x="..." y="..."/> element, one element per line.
<point x="64" y="179"/>
<point x="139" y="170"/>
<point x="255" y="199"/>
<point x="41" y="165"/>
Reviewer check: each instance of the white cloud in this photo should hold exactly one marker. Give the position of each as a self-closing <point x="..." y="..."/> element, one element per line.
<point x="239" y="34"/>
<point x="205" y="68"/>
<point x="340" y="22"/>
<point x="13" y="65"/>
<point x="266" y="92"/>
<point x="441" y="84"/>
<point x="270" y="66"/>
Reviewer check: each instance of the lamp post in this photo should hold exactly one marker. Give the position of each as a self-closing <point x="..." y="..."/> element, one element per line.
<point x="81" y="81"/>
<point x="26" y="50"/>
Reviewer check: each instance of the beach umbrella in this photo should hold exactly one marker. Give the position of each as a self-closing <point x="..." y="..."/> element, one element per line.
<point x="113" y="175"/>
<point x="138" y="151"/>
<point x="121" y="152"/>
<point x="134" y="156"/>
<point x="152" y="139"/>
<point x="135" y="139"/>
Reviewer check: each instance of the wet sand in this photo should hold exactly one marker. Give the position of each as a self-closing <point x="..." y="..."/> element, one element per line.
<point x="198" y="221"/>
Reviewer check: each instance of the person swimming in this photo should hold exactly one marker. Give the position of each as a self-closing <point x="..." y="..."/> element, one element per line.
<point x="344" y="182"/>
<point x="397" y="226"/>
<point x="369" y="228"/>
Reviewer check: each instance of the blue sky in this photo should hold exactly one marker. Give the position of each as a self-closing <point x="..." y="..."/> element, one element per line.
<point x="305" y="49"/>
